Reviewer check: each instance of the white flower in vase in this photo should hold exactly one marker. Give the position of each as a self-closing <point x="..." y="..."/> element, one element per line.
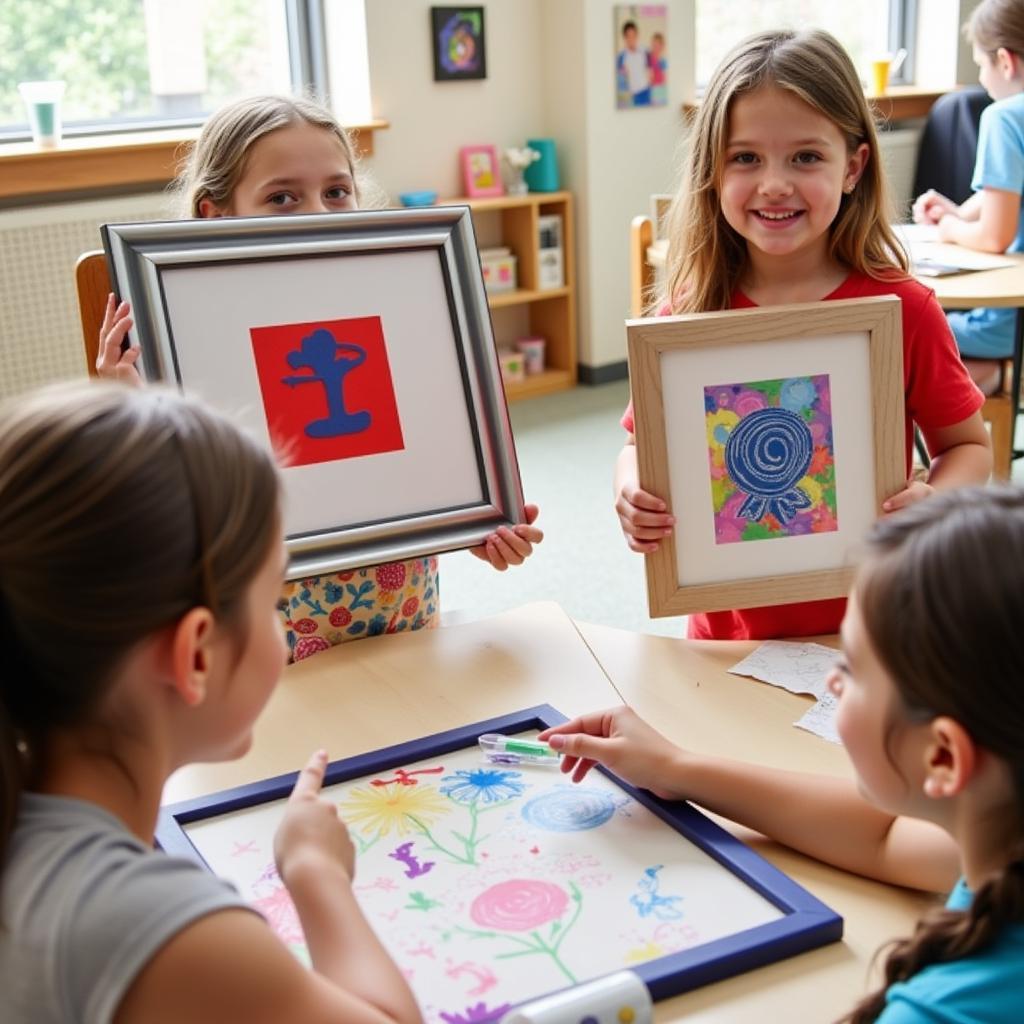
<point x="519" y="160"/>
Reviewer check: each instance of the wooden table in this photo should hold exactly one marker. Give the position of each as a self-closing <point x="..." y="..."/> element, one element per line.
<point x="389" y="689"/>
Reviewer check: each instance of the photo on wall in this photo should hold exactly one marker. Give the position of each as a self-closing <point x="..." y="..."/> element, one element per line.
<point x="641" y="58"/>
<point x="457" y="37"/>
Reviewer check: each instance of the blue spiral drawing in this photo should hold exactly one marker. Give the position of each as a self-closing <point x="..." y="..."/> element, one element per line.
<point x="766" y="453"/>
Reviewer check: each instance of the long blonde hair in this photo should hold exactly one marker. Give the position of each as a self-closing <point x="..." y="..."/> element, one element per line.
<point x="216" y="162"/>
<point x="706" y="256"/>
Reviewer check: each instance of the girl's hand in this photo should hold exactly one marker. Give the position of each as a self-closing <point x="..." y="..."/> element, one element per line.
<point x="948" y="224"/>
<point x="915" y="491"/>
<point x="644" y="518"/>
<point x="111" y="362"/>
<point x="311" y="828"/>
<point x="931" y="206"/>
<point x="625" y="743"/>
<point x="512" y="546"/>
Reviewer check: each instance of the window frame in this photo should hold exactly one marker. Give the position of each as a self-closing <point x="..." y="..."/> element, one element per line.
<point x="307" y="57"/>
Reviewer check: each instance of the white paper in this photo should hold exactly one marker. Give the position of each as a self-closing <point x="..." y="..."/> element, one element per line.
<point x="798" y="668"/>
<point x="821" y="719"/>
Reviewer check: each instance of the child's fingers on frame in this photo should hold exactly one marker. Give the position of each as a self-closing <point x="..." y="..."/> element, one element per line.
<point x="642" y="499"/>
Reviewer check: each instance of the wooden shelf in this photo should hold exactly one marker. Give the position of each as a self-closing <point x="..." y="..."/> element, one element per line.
<point x="551" y="313"/>
<point x="123" y="161"/>
<point x="545" y="383"/>
<point x="496" y="300"/>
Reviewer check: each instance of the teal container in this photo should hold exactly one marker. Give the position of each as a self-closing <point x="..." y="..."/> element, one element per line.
<point x="542" y="174"/>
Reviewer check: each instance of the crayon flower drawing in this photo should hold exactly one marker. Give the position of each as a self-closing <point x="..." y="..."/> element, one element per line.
<point x="526" y="905"/>
<point x="490" y="885"/>
<point x="394" y="805"/>
<point x="771" y="458"/>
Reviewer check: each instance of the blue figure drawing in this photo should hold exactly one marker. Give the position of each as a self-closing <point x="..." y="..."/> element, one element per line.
<point x="766" y="454"/>
<point x="650" y="902"/>
<point x="330" y="362"/>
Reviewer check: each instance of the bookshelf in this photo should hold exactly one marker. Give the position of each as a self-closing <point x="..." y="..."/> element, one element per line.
<point x="529" y="309"/>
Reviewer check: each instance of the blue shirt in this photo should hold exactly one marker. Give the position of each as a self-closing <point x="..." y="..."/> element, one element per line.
<point x="988" y="333"/>
<point x="986" y="988"/>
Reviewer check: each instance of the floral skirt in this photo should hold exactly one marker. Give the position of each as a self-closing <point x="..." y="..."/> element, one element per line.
<point x="322" y="611"/>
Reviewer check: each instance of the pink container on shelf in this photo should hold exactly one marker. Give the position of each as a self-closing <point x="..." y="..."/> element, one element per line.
<point x="532" y="350"/>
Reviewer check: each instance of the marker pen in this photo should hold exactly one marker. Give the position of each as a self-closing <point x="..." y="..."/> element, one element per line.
<point x="499" y="749"/>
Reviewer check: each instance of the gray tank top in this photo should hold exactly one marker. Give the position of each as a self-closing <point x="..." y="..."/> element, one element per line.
<point x="84" y="905"/>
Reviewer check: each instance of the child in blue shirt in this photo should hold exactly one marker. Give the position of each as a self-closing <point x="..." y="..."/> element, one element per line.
<point x="931" y="712"/>
<point x="992" y="220"/>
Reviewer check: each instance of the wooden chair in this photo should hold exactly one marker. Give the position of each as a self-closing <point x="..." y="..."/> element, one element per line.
<point x="93" y="283"/>
<point x="641" y="273"/>
<point x="1000" y="408"/>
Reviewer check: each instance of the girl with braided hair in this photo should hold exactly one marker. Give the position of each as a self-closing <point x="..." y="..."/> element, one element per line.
<point x="931" y="712"/>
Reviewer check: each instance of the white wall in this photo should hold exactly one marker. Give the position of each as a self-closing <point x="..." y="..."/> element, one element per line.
<point x="431" y="120"/>
<point x="550" y="72"/>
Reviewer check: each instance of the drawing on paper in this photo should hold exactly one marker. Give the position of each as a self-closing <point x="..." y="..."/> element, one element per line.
<point x="771" y="458"/>
<point x="490" y="885"/>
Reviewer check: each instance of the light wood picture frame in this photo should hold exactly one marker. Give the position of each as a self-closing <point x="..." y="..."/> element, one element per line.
<point x="358" y="347"/>
<point x="770" y="514"/>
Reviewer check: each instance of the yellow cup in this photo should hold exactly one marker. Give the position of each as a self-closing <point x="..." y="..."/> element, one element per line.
<point x="880" y="74"/>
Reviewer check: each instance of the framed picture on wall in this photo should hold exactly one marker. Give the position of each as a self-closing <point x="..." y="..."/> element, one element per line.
<point x="492" y="885"/>
<point x="481" y="173"/>
<point x="457" y="37"/>
<point x="641" y="56"/>
<point x="358" y="347"/>
<point x="775" y="435"/>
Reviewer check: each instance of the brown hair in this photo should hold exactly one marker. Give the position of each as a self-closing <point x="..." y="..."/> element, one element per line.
<point x="706" y="256"/>
<point x="942" y="602"/>
<point x="216" y="162"/>
<point x="997" y="24"/>
<point x="120" y="509"/>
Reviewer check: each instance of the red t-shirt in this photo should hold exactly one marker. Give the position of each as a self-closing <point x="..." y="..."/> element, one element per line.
<point x="938" y="392"/>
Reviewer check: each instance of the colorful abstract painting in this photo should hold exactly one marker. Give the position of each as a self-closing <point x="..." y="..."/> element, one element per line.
<point x="771" y="457"/>
<point x="490" y="885"/>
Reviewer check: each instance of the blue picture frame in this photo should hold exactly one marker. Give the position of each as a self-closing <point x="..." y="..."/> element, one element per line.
<point x="806" y="924"/>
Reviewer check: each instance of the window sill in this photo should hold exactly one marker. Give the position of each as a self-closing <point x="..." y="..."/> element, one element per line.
<point x="900" y="103"/>
<point x="110" y="162"/>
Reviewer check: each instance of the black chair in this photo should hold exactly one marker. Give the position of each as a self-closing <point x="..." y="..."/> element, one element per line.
<point x="945" y="162"/>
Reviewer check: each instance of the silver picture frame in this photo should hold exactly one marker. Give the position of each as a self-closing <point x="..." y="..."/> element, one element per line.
<point x="200" y="290"/>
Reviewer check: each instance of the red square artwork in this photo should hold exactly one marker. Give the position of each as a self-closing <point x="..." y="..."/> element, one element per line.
<point x="327" y="389"/>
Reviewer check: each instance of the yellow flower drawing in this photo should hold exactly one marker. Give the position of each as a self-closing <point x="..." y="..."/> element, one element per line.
<point x="383" y="809"/>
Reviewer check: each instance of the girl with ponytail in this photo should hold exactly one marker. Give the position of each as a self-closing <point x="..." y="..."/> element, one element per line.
<point x="159" y="648"/>
<point x="931" y="712"/>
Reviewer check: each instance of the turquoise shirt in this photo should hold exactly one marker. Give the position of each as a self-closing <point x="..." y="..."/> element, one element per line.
<point x="987" y="988"/>
<point x="988" y="333"/>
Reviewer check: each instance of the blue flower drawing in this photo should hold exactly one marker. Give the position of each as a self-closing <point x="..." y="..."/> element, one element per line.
<point x="481" y="784"/>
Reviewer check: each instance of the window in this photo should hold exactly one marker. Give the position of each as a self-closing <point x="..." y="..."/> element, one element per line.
<point x="132" y="64"/>
<point x="864" y="28"/>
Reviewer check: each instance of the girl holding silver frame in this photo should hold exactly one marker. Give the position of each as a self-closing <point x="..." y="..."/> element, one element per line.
<point x="268" y="156"/>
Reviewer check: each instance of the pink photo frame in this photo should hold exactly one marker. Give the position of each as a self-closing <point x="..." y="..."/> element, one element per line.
<point x="481" y="171"/>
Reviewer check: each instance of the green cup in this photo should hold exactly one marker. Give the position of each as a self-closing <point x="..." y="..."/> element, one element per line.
<point x="42" y="100"/>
